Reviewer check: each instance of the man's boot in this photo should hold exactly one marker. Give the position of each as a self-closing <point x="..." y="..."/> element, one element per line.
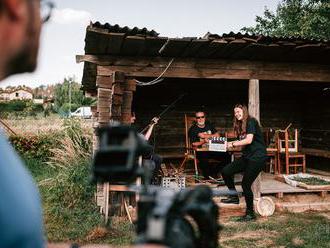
<point x="231" y="200"/>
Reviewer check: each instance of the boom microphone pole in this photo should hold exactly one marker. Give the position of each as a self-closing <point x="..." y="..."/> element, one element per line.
<point x="164" y="111"/>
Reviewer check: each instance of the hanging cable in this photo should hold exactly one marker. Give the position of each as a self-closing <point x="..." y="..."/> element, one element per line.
<point x="156" y="80"/>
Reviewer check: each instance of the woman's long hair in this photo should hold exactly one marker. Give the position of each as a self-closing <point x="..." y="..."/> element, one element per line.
<point x="240" y="126"/>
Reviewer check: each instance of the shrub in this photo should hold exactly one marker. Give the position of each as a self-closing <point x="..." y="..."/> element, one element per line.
<point x="19" y="108"/>
<point x="35" y="146"/>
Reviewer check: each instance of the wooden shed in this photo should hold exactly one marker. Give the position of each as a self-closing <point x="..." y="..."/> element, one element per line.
<point x="282" y="79"/>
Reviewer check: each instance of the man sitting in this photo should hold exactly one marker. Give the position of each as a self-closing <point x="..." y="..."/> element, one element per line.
<point x="155" y="158"/>
<point x="199" y="134"/>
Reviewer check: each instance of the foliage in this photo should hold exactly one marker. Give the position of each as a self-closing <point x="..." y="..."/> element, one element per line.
<point x="298" y="18"/>
<point x="75" y="145"/>
<point x="66" y="90"/>
<point x="34" y="146"/>
<point x="20" y="108"/>
<point x="67" y="192"/>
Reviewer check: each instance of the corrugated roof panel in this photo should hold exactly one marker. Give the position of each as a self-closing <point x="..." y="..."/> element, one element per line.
<point x="128" y="31"/>
<point x="153" y="45"/>
<point x="194" y="46"/>
<point x="174" y="47"/>
<point x="133" y="46"/>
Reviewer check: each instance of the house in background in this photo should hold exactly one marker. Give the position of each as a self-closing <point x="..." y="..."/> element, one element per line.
<point x="16" y="93"/>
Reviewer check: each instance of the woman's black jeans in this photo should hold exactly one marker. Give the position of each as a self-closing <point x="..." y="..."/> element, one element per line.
<point x="251" y="170"/>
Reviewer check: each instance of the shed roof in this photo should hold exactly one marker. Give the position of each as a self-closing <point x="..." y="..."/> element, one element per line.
<point x="115" y="41"/>
<point x="109" y="39"/>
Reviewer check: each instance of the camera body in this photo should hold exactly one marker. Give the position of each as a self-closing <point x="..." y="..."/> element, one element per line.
<point x="187" y="218"/>
<point x="116" y="160"/>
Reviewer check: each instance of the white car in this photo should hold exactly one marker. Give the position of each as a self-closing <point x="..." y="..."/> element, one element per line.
<point x="83" y="112"/>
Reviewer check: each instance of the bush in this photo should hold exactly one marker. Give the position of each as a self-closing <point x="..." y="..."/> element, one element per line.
<point x="35" y="146"/>
<point x="19" y="108"/>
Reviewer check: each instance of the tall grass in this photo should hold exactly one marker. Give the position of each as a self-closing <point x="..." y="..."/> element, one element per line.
<point x="68" y="195"/>
<point x="74" y="146"/>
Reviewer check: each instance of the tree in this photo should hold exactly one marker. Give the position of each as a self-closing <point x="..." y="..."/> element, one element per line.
<point x="298" y="18"/>
<point x="68" y="96"/>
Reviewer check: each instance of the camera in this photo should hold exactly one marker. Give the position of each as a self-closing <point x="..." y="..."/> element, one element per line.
<point x="116" y="160"/>
<point x="186" y="218"/>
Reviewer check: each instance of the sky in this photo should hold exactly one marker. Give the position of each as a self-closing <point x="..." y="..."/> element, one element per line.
<point x="63" y="36"/>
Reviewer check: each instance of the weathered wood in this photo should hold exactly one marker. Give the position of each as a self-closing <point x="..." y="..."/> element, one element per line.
<point x="104" y="93"/>
<point x="323" y="194"/>
<point x="118" y="77"/>
<point x="104" y="103"/>
<point x="116" y="110"/>
<point x="125" y="118"/>
<point x="118" y="89"/>
<point x="126" y="107"/>
<point x="104" y="115"/>
<point x="279" y="195"/>
<point x="316" y="152"/>
<point x="208" y="68"/>
<point x="221" y="73"/>
<point x="129" y="85"/>
<point x="103" y="119"/>
<point x="103" y="109"/>
<point x="117" y="99"/>
<point x="104" y="82"/>
<point x="254" y="99"/>
<point x="127" y="101"/>
<point x="254" y="110"/>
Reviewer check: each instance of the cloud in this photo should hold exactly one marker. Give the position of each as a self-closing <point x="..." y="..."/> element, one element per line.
<point x="71" y="16"/>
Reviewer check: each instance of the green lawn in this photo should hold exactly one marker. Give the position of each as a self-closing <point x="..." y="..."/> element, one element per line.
<point x="280" y="230"/>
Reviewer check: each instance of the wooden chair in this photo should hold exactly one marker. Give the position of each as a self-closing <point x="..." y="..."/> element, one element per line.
<point x="190" y="153"/>
<point x="288" y="152"/>
<point x="272" y="150"/>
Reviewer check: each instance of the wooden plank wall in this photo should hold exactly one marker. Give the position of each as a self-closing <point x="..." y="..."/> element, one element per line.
<point x="316" y="123"/>
<point x="302" y="104"/>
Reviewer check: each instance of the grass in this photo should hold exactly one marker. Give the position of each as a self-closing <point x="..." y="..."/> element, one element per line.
<point x="280" y="230"/>
<point x="70" y="213"/>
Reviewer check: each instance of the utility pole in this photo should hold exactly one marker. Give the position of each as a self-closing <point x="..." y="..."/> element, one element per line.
<point x="70" y="98"/>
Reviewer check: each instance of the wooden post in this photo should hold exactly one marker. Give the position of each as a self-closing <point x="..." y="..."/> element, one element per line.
<point x="117" y="88"/>
<point x="127" y="98"/>
<point x="101" y="117"/>
<point x="254" y="111"/>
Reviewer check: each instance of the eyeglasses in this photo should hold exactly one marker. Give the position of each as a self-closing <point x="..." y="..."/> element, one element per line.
<point x="200" y="117"/>
<point x="46" y="8"/>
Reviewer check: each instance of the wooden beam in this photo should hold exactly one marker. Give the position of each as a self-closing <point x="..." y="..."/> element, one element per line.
<point x="254" y="111"/>
<point x="209" y="68"/>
